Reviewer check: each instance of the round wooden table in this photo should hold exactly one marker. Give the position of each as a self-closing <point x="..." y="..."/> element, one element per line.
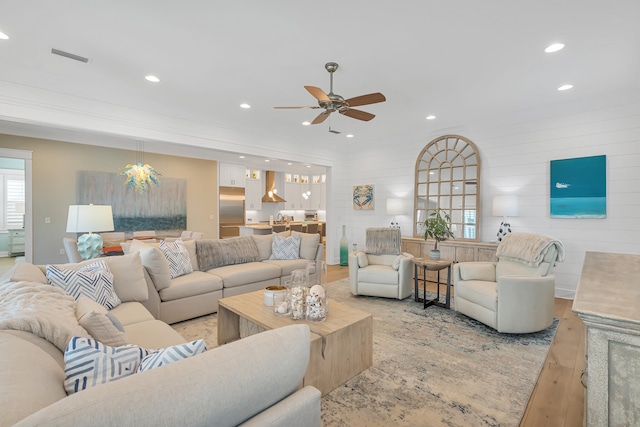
<point x="428" y="264"/>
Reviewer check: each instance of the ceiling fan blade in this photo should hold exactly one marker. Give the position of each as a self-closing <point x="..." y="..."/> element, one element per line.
<point x="280" y="108"/>
<point x="371" y="98"/>
<point x="358" y="114"/>
<point x="321" y="118"/>
<point x="318" y="93"/>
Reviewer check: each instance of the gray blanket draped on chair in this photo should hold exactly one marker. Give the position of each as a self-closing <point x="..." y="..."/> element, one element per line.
<point x="528" y="248"/>
<point x="383" y="241"/>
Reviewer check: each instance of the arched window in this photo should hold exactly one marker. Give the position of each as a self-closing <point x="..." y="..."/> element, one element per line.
<point x="448" y="177"/>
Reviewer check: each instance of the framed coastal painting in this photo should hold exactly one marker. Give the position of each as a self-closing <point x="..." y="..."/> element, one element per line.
<point x="363" y="197"/>
<point x="579" y="187"/>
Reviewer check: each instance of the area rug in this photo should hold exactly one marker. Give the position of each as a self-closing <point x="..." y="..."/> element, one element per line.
<point x="431" y="367"/>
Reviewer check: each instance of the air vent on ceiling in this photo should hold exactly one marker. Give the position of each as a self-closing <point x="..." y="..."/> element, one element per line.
<point x="334" y="131"/>
<point x="69" y="55"/>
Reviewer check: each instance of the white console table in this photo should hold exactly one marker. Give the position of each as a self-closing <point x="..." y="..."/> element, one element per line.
<point x="608" y="302"/>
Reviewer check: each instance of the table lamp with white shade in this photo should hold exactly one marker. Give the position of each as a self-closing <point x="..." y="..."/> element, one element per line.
<point x="505" y="205"/>
<point x="89" y="219"/>
<point x="395" y="207"/>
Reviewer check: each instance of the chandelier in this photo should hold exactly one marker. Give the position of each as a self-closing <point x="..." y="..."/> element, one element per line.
<point x="140" y="176"/>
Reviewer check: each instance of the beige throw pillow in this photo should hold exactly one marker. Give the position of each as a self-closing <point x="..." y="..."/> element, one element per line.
<point x="155" y="263"/>
<point x="101" y="325"/>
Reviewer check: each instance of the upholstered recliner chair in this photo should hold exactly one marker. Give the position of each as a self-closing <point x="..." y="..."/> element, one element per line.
<point x="515" y="294"/>
<point x="381" y="270"/>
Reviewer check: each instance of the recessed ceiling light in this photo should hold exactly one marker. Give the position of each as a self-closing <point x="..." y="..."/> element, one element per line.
<point x="289" y="164"/>
<point x="3" y="36"/>
<point x="245" y="106"/>
<point x="308" y="166"/>
<point x="565" y="87"/>
<point x="243" y="157"/>
<point x="349" y="135"/>
<point x="554" y="47"/>
<point x="431" y="117"/>
<point x="306" y="123"/>
<point x="267" y="160"/>
<point x="152" y="79"/>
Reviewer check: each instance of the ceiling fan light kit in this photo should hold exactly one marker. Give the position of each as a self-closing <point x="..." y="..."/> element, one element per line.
<point x="333" y="102"/>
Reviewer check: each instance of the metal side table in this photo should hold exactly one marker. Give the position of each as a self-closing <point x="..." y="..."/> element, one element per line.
<point x="428" y="264"/>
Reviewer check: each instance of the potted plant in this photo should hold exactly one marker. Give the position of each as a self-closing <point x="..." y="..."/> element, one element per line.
<point x="437" y="228"/>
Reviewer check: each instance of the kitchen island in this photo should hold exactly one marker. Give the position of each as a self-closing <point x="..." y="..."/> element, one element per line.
<point x="251" y="229"/>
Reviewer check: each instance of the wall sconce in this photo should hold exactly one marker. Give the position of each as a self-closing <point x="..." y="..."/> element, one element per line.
<point x="395" y="207"/>
<point x="505" y="205"/>
<point x="89" y="219"/>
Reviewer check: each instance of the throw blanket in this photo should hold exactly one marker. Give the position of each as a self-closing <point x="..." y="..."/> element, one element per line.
<point x="528" y="249"/>
<point x="383" y="241"/>
<point x="44" y="310"/>
<point x="214" y="253"/>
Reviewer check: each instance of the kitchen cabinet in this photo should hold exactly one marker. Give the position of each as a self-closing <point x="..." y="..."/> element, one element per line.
<point x="231" y="175"/>
<point x="293" y="195"/>
<point x="318" y="196"/>
<point x="16" y="242"/>
<point x="253" y="194"/>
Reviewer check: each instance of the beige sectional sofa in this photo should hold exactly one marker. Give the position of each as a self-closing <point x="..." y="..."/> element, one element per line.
<point x="242" y="383"/>
<point x="197" y="293"/>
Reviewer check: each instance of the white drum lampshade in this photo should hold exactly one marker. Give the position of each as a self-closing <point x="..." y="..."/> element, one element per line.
<point x="89" y="219"/>
<point x="395" y="207"/>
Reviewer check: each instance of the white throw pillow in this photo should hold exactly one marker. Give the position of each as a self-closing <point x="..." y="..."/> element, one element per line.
<point x="177" y="257"/>
<point x="285" y="247"/>
<point x="308" y="244"/>
<point x="363" y="260"/>
<point x="93" y="280"/>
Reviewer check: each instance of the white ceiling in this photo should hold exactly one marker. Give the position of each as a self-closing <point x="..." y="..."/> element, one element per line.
<point x="463" y="61"/>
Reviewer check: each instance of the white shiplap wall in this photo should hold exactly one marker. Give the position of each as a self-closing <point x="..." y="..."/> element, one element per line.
<point x="515" y="158"/>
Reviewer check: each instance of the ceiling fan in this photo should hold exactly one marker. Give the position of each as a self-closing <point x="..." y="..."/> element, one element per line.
<point x="332" y="102"/>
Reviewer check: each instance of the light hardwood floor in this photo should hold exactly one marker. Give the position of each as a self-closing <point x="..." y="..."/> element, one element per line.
<point x="558" y="397"/>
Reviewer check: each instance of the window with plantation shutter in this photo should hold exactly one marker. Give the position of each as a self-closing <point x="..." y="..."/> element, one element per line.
<point x="13" y="194"/>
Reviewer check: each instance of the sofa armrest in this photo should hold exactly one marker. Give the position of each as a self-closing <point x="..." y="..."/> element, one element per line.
<point x="320" y="252"/>
<point x="301" y="408"/>
<point x="525" y="303"/>
<point x="224" y="386"/>
<point x="353" y="272"/>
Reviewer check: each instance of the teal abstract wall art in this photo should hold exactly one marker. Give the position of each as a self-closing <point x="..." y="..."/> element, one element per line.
<point x="579" y="187"/>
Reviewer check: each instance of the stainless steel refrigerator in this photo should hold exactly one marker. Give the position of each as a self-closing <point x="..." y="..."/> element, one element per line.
<point x="231" y="208"/>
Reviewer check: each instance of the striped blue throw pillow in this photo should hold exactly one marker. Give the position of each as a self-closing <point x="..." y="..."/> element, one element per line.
<point x="94" y="281"/>
<point x="89" y="363"/>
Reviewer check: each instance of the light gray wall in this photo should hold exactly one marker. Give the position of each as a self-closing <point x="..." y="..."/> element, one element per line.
<point x="514" y="156"/>
<point x="55" y="165"/>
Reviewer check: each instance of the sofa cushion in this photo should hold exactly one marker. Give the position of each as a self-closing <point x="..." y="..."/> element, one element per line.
<point x="177" y="257"/>
<point x="263" y="242"/>
<point x="152" y="334"/>
<point x="308" y="244"/>
<point x="132" y="312"/>
<point x="242" y="274"/>
<point x="478" y="291"/>
<point x="155" y="263"/>
<point x="171" y="354"/>
<point x="24" y="272"/>
<point x="287" y="265"/>
<point x="196" y="283"/>
<point x="285" y="247"/>
<point x="93" y="280"/>
<point x="101" y="325"/>
<point x="381" y="274"/>
<point x="485" y="271"/>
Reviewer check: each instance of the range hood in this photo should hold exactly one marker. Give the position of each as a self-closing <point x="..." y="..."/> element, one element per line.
<point x="270" y="195"/>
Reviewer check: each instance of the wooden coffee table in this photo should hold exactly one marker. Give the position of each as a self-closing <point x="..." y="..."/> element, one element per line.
<point x="341" y="346"/>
